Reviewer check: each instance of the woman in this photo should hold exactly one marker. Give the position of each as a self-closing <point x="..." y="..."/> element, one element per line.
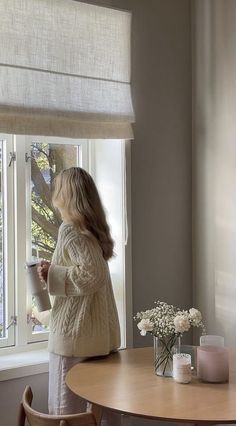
<point x="84" y="320"/>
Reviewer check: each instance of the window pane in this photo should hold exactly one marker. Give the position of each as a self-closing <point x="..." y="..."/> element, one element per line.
<point x="47" y="160"/>
<point x="2" y="280"/>
<point x="108" y="175"/>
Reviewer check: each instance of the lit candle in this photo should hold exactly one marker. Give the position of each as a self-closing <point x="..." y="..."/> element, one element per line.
<point x="182" y="368"/>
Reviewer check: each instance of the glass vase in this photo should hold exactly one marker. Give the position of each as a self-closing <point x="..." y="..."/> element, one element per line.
<point x="164" y="349"/>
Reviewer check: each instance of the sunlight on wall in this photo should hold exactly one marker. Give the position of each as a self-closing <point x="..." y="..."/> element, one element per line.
<point x="214" y="154"/>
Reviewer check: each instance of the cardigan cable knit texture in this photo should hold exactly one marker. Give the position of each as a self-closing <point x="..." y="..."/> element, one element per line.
<point x="84" y="320"/>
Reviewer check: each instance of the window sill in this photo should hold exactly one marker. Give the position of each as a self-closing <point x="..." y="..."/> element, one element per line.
<point x="23" y="364"/>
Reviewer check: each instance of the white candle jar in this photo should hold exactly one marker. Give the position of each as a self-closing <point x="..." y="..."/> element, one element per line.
<point x="182" y="368"/>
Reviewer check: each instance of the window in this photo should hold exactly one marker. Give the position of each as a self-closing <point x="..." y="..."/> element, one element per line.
<point x="45" y="158"/>
<point x="29" y="223"/>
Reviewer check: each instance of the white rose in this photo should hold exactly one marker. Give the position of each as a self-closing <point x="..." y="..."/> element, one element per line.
<point x="181" y="323"/>
<point x="195" y="315"/>
<point x="145" y="325"/>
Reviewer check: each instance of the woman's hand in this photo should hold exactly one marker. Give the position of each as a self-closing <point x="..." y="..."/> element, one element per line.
<point x="42" y="270"/>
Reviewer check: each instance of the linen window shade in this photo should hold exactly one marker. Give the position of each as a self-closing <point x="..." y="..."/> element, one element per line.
<point x="65" y="69"/>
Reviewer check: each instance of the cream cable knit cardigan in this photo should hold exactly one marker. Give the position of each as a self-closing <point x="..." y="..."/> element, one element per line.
<point x="84" y="320"/>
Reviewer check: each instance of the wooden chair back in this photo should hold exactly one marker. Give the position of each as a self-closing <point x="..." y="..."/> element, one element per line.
<point x="39" y="419"/>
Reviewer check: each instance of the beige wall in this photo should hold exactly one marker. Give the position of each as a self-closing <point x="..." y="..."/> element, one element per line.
<point x="161" y="166"/>
<point x="214" y="149"/>
<point x="11" y="392"/>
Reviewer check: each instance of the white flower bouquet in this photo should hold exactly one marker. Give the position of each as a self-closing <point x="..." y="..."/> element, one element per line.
<point x="165" y="320"/>
<point x="167" y="323"/>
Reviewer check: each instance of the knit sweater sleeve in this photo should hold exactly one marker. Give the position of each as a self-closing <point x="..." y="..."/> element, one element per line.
<point x="87" y="273"/>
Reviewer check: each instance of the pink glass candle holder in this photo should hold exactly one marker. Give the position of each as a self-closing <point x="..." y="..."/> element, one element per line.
<point x="213" y="364"/>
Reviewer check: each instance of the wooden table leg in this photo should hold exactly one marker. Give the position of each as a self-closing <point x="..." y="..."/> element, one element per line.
<point x="195" y="424"/>
<point x="125" y="420"/>
<point x="186" y="424"/>
<point x="97" y="412"/>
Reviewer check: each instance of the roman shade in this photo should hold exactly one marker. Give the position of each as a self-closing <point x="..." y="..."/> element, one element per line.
<point x="65" y="69"/>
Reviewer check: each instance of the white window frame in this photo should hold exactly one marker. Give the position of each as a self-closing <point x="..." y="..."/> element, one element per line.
<point x="8" y="237"/>
<point x="16" y="181"/>
<point x="24" y="339"/>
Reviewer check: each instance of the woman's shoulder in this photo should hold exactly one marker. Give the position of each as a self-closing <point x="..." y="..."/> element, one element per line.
<point x="72" y="238"/>
<point x="68" y="232"/>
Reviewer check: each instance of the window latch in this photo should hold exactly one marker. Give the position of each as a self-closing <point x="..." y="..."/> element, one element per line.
<point x="13" y="322"/>
<point x="12" y="156"/>
<point x="27" y="157"/>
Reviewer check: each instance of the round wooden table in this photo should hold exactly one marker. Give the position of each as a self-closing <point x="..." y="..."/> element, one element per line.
<point x="125" y="382"/>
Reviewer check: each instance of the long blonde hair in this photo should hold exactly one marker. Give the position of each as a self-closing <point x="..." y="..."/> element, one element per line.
<point x="75" y="193"/>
